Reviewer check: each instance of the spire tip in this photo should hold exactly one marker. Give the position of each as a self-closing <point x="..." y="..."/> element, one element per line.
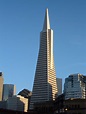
<point x="46" y="21"/>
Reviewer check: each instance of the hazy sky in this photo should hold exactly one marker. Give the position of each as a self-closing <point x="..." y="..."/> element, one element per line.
<point x="21" y="22"/>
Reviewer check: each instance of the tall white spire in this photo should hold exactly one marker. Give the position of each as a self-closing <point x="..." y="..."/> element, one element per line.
<point x="46" y="21"/>
<point x="45" y="86"/>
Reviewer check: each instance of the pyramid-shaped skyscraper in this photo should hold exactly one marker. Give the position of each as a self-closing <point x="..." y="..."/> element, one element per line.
<point x="45" y="86"/>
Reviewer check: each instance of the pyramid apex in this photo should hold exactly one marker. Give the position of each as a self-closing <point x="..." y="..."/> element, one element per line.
<point x="46" y="21"/>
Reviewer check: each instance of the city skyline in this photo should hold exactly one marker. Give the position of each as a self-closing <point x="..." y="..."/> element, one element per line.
<point x="20" y="24"/>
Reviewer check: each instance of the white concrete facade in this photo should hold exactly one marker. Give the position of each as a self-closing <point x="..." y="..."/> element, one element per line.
<point x="45" y="86"/>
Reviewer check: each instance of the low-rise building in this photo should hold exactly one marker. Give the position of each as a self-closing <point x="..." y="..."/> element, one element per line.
<point x="26" y="94"/>
<point x="3" y="104"/>
<point x="75" y="106"/>
<point x="46" y="107"/>
<point x="18" y="103"/>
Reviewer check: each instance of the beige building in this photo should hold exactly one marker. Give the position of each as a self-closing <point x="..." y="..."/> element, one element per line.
<point x="18" y="103"/>
<point x="45" y="86"/>
<point x="1" y="85"/>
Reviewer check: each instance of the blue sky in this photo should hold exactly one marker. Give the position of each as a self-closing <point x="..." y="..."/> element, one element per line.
<point x="21" y="22"/>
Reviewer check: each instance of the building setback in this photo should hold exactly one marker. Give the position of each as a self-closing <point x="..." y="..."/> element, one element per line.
<point x="45" y="86"/>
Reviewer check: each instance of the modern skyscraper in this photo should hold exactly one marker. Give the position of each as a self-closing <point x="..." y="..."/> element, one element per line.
<point x="8" y="91"/>
<point x="59" y="85"/>
<point x="45" y="86"/>
<point x="1" y="85"/>
<point x="75" y="86"/>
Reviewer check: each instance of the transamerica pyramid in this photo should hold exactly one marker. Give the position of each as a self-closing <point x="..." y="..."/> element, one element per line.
<point x="45" y="86"/>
